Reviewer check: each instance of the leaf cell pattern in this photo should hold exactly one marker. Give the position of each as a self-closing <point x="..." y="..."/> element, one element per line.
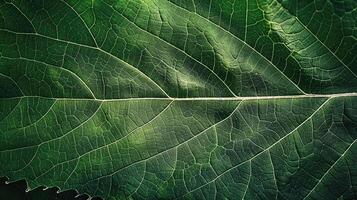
<point x="180" y="99"/>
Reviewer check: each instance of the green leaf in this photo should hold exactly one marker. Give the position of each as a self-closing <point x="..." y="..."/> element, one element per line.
<point x="187" y="99"/>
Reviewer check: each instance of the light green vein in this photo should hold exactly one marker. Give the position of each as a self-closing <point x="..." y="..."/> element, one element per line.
<point x="234" y="36"/>
<point x="95" y="48"/>
<point x="267" y="149"/>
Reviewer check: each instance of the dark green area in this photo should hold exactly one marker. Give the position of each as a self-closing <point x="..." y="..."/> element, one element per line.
<point x="179" y="99"/>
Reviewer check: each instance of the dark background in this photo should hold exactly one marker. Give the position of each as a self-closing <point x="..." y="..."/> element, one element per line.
<point x="17" y="191"/>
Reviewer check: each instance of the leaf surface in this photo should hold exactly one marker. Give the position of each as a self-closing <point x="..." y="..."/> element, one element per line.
<point x="186" y="99"/>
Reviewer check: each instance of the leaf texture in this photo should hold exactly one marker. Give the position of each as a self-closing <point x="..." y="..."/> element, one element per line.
<point x="180" y="99"/>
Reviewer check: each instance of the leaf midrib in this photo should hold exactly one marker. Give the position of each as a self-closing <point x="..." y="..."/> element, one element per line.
<point x="351" y="94"/>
